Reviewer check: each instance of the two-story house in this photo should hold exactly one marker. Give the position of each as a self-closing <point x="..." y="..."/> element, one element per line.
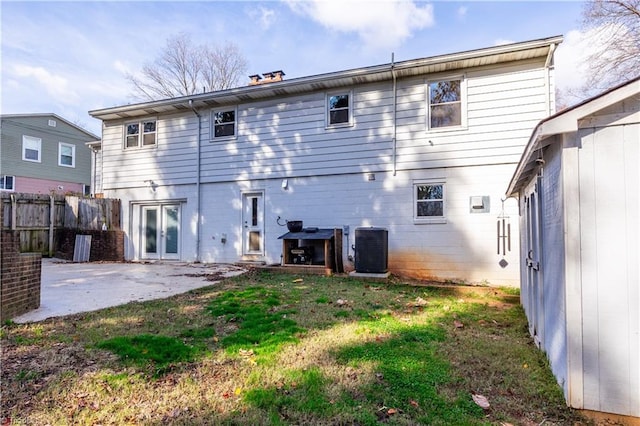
<point x="43" y="154"/>
<point x="422" y="148"/>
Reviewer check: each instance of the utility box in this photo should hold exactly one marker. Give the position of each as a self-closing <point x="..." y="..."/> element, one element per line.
<point x="372" y="250"/>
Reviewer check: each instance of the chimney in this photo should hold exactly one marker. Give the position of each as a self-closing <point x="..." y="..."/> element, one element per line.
<point x="269" y="77"/>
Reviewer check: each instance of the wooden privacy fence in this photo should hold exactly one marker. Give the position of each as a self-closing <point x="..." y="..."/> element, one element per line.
<point x="37" y="217"/>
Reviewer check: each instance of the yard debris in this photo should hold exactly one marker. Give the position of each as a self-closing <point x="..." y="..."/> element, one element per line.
<point x="414" y="403"/>
<point x="298" y="280"/>
<point x="481" y="401"/>
<point x="458" y="324"/>
<point x="342" y="302"/>
<point x="418" y="302"/>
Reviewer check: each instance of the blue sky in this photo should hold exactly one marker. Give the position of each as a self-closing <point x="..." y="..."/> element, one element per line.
<point x="71" y="57"/>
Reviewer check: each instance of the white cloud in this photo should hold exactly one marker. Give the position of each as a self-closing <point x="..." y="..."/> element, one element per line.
<point x="570" y="61"/>
<point x="380" y="24"/>
<point x="267" y="17"/>
<point x="462" y="11"/>
<point x="55" y="85"/>
<point x="502" y="41"/>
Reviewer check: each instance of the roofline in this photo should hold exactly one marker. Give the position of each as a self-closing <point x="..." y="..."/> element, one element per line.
<point x="553" y="125"/>
<point x="51" y="114"/>
<point x="271" y="89"/>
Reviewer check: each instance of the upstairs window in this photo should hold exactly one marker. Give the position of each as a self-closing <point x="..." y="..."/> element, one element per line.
<point x="66" y="155"/>
<point x="31" y="149"/>
<point x="339" y="109"/>
<point x="446" y="103"/>
<point x="139" y="134"/>
<point x="7" y="183"/>
<point x="429" y="202"/>
<point x="224" y="123"/>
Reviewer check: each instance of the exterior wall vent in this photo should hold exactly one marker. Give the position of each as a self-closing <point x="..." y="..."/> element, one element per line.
<point x="372" y="251"/>
<point x="52" y="123"/>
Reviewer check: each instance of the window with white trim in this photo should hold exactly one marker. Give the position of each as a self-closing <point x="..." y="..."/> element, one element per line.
<point x="223" y="123"/>
<point x="86" y="190"/>
<point x="429" y="202"/>
<point x="140" y="134"/>
<point x="446" y="103"/>
<point x="31" y="149"/>
<point x="66" y="154"/>
<point x="7" y="183"/>
<point x="339" y="109"/>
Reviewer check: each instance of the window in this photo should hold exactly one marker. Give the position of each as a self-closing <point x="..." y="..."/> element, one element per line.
<point x="224" y="123"/>
<point x="66" y="155"/>
<point x="31" y="148"/>
<point x="140" y="134"/>
<point x="445" y="103"/>
<point x="7" y="183"/>
<point x="86" y="190"/>
<point x="339" y="109"/>
<point x="429" y="205"/>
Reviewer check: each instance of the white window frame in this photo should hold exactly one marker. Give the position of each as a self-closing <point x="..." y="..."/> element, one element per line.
<point x="463" y="104"/>
<point x="233" y="109"/>
<point x="62" y="145"/>
<point x="31" y="140"/>
<point x="3" y="183"/>
<point x="429" y="219"/>
<point x="141" y="133"/>
<point x="328" y="109"/>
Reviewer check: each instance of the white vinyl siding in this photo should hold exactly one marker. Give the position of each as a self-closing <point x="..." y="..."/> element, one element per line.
<point x="31" y="149"/>
<point x="66" y="155"/>
<point x="288" y="137"/>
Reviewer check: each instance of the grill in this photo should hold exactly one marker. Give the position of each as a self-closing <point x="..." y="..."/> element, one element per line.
<point x="302" y="255"/>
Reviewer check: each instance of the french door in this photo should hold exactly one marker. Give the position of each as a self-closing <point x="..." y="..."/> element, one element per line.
<point x="161" y="232"/>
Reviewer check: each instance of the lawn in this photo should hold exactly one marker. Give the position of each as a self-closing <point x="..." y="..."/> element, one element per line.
<point x="271" y="348"/>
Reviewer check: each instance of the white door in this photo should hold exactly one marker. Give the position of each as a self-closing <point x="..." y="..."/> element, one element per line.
<point x="253" y="223"/>
<point x="160" y="237"/>
<point x="534" y="280"/>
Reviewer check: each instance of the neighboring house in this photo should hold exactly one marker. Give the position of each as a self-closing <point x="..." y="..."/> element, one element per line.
<point x="43" y="154"/>
<point x="422" y="148"/>
<point x="578" y="187"/>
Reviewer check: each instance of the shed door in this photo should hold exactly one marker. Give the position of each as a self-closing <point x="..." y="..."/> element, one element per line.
<point x="533" y="285"/>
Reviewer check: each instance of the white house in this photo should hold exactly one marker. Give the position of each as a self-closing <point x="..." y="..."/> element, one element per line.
<point x="578" y="187"/>
<point x="422" y="148"/>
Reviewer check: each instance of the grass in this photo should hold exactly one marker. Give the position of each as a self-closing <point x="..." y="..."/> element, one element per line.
<point x="276" y="349"/>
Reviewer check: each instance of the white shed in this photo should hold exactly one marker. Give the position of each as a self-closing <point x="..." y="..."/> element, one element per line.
<point x="578" y="187"/>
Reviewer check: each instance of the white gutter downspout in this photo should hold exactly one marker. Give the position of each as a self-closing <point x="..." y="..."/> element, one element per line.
<point x="198" y="207"/>
<point x="547" y="81"/>
<point x="393" y="137"/>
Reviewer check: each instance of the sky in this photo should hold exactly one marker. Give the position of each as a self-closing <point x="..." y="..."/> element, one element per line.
<point x="69" y="58"/>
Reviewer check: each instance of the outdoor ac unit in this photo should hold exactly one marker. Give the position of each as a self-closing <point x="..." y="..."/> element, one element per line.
<point x="371" y="250"/>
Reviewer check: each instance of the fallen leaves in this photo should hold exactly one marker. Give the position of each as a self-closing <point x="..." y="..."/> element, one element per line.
<point x="458" y="324"/>
<point x="481" y="401"/>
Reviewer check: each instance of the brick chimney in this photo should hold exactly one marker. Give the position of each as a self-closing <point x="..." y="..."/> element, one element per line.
<point x="267" y="77"/>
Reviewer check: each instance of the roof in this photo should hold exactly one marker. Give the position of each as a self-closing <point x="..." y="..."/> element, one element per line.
<point x="90" y="135"/>
<point x="565" y="121"/>
<point x="540" y="48"/>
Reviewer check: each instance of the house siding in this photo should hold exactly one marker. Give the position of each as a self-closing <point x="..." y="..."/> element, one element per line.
<point x="13" y="128"/>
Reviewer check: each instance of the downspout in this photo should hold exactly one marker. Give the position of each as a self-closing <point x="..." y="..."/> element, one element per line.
<point x="197" y="180"/>
<point x="547" y="81"/>
<point x="393" y="130"/>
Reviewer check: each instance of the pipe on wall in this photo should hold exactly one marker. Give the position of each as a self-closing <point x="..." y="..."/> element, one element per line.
<point x="198" y="204"/>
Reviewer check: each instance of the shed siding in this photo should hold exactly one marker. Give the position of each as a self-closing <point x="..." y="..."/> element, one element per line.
<point x="288" y="137"/>
<point x="609" y="262"/>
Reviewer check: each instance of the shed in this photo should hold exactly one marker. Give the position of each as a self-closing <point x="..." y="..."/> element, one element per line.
<point x="577" y="185"/>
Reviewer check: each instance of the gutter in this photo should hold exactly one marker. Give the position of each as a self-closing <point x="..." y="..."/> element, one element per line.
<point x="198" y="206"/>
<point x="393" y="137"/>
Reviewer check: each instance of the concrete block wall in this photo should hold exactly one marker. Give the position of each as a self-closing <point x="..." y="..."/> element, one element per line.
<point x="20" y="277"/>
<point x="105" y="245"/>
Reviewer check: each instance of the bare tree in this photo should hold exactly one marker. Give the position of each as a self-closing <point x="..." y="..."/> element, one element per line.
<point x="184" y="68"/>
<point x="616" y="26"/>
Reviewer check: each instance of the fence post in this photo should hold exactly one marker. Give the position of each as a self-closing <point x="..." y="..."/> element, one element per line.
<point x="52" y="218"/>
<point x="14" y="210"/>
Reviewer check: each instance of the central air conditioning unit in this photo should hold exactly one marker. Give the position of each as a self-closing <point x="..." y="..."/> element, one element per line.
<point x="371" y="250"/>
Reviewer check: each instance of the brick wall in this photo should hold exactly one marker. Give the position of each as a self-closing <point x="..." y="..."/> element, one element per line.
<point x="105" y="245"/>
<point x="20" y="277"/>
